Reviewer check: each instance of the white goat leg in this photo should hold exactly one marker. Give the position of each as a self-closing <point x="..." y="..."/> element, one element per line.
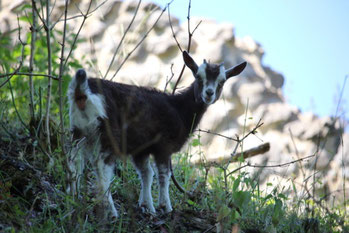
<point x="145" y="173"/>
<point x="164" y="183"/>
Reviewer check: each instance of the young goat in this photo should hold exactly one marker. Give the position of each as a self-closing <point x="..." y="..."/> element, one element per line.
<point x="109" y="120"/>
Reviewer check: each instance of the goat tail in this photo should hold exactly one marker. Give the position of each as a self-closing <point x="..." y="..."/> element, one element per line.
<point x="81" y="76"/>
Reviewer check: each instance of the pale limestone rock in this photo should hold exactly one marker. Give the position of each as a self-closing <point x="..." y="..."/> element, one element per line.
<point x="275" y="115"/>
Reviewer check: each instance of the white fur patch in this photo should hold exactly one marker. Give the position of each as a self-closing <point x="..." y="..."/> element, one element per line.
<point x="86" y="119"/>
<point x="202" y="72"/>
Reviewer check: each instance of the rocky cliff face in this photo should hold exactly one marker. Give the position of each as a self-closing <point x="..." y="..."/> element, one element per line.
<point x="256" y="94"/>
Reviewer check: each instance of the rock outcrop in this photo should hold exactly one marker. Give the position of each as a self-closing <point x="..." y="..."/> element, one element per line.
<point x="255" y="94"/>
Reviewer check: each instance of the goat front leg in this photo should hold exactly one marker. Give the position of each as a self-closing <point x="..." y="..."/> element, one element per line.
<point x="164" y="183"/>
<point x="145" y="173"/>
<point x="105" y="172"/>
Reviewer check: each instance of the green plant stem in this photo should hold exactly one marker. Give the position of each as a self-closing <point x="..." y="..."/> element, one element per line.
<point x="49" y="72"/>
<point x="15" y="107"/>
<point x="31" y="62"/>
<point x="60" y="81"/>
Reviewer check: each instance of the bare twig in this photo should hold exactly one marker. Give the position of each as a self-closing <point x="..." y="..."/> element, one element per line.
<point x="341" y="96"/>
<point x="31" y="62"/>
<point x="14" y="105"/>
<point x="28" y="74"/>
<point x="173" y="33"/>
<point x="271" y="166"/>
<point x="86" y="15"/>
<point x="217" y="134"/>
<point x="77" y="16"/>
<point x="296" y="150"/>
<point x="122" y="39"/>
<point x="60" y="78"/>
<point x="21" y="59"/>
<point x="168" y="80"/>
<point x="49" y="72"/>
<point x="11" y="75"/>
<point x="139" y="43"/>
<point x="38" y="14"/>
<point x="190" y="35"/>
<point x="261" y="149"/>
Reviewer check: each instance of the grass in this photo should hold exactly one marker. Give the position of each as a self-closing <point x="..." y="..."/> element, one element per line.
<point x="33" y="199"/>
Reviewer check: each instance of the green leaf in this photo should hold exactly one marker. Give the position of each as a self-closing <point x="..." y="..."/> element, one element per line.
<point x="195" y="142"/>
<point x="277" y="211"/>
<point x="223" y="212"/>
<point x="236" y="184"/>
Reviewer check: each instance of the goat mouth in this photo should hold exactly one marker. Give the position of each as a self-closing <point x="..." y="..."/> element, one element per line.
<point x="208" y="100"/>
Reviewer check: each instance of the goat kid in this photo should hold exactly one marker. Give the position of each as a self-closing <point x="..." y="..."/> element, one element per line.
<point x="110" y="120"/>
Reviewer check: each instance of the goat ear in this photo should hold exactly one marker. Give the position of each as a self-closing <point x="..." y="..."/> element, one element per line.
<point x="189" y="61"/>
<point x="236" y="70"/>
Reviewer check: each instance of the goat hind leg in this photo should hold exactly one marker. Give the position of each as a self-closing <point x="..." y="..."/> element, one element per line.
<point x="164" y="183"/>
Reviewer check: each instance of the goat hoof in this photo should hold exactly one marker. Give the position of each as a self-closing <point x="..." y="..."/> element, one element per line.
<point x="114" y="218"/>
<point x="146" y="210"/>
<point x="164" y="210"/>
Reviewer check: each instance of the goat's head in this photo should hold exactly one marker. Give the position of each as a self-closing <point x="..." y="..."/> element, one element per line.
<point x="210" y="78"/>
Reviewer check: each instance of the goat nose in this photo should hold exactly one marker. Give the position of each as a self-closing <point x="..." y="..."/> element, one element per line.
<point x="209" y="92"/>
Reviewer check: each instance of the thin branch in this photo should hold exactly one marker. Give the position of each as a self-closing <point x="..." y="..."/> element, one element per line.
<point x="190" y="35"/>
<point x="341" y="96"/>
<point x="28" y="74"/>
<point x="122" y="39"/>
<point x="22" y="56"/>
<point x="297" y="152"/>
<point x="38" y="14"/>
<point x="11" y="75"/>
<point x="60" y="78"/>
<point x="49" y="72"/>
<point x="173" y="33"/>
<point x="77" y="16"/>
<point x="261" y="149"/>
<point x="168" y="80"/>
<point x="271" y="166"/>
<point x="31" y="62"/>
<point x="254" y="130"/>
<point x="86" y="15"/>
<point x="14" y="105"/>
<point x="139" y="43"/>
<point x="217" y="134"/>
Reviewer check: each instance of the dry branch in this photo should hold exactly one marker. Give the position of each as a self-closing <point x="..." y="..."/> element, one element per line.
<point x="60" y="76"/>
<point x="31" y="63"/>
<point x="139" y="43"/>
<point x="190" y="35"/>
<point x="27" y="74"/>
<point x="85" y="16"/>
<point x="122" y="39"/>
<point x="261" y="149"/>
